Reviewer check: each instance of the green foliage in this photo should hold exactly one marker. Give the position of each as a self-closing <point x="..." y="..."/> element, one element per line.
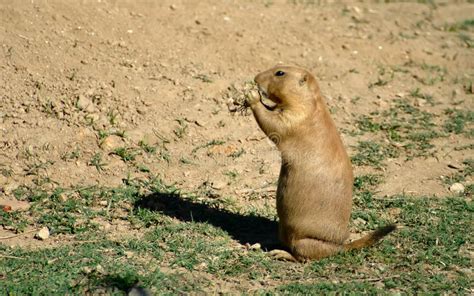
<point x="186" y="234"/>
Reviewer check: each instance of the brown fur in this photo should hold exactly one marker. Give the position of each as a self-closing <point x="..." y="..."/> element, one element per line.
<point x="314" y="195"/>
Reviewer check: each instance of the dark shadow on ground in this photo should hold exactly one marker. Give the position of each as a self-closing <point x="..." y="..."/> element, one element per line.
<point x="244" y="229"/>
<point x="127" y="283"/>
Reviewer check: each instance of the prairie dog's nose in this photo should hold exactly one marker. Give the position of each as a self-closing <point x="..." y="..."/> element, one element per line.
<point x="256" y="78"/>
<point x="260" y="78"/>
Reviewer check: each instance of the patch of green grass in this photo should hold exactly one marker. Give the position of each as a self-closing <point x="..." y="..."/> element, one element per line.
<point x="231" y="174"/>
<point x="102" y="134"/>
<point x="97" y="162"/>
<point x="182" y="128"/>
<point x="432" y="73"/>
<point x="190" y="244"/>
<point x="405" y="130"/>
<point x="380" y="82"/>
<point x="143" y="168"/>
<point x="458" y="120"/>
<point x="5" y="170"/>
<point x="13" y="220"/>
<point x="112" y="115"/>
<point x="208" y="144"/>
<point x="416" y="93"/>
<point x="184" y="160"/>
<point x="462" y="174"/>
<point x="34" y="168"/>
<point x="126" y="154"/>
<point x="237" y="153"/>
<point x="468" y="41"/>
<point x="147" y="147"/>
<point x="367" y="124"/>
<point x="429" y="256"/>
<point x="165" y="155"/>
<point x="372" y="154"/>
<point x="461" y="25"/>
<point x="468" y="87"/>
<point x="75" y="154"/>
<point x="367" y="182"/>
<point x="203" y="78"/>
<point x="86" y="268"/>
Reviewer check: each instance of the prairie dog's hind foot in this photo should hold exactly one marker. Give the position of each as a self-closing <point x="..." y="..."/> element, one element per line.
<point x="282" y="255"/>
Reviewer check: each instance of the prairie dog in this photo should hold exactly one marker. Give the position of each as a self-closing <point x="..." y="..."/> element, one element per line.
<point x="314" y="195"/>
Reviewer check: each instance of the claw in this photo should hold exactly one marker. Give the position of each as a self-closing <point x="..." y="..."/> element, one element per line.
<point x="282" y="255"/>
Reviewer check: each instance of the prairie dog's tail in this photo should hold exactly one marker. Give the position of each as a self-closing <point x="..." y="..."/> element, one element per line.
<point x="371" y="238"/>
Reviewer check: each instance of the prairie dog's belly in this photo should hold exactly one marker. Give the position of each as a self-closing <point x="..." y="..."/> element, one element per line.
<point x="312" y="203"/>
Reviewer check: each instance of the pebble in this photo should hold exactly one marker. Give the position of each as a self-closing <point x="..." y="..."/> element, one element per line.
<point x="457" y="188"/>
<point x="360" y="221"/>
<point x="200" y="123"/>
<point x="43" y="234"/>
<point x="111" y="143"/>
<point x="218" y="185"/>
<point x="63" y="197"/>
<point x="231" y="106"/>
<point x="85" y="104"/>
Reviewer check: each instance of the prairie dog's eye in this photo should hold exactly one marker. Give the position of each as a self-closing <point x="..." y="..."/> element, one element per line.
<point x="279" y="73"/>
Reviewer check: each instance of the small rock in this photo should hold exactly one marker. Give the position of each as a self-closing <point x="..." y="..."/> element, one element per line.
<point x="200" y="123"/>
<point x="218" y="185"/>
<point x="231" y="105"/>
<point x="454" y="166"/>
<point x="457" y="188"/>
<point x="85" y="104"/>
<point x="360" y="221"/>
<point x="100" y="269"/>
<point x="63" y="197"/>
<point x="400" y="95"/>
<point x="111" y="143"/>
<point x="43" y="234"/>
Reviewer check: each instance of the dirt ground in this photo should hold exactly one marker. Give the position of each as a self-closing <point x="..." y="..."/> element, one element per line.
<point x="81" y="79"/>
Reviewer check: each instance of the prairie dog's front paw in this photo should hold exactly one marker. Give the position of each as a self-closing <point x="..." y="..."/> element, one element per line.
<point x="252" y="98"/>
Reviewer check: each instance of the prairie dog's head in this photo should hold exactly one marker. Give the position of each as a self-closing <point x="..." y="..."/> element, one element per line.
<point x="287" y="88"/>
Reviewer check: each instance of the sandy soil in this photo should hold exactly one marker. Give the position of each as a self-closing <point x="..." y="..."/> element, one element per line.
<point x="79" y="79"/>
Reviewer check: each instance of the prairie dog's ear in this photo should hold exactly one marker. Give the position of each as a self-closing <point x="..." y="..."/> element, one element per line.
<point x="303" y="79"/>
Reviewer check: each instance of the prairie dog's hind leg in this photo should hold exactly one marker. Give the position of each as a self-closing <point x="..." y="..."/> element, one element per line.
<point x="307" y="249"/>
<point x="314" y="249"/>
